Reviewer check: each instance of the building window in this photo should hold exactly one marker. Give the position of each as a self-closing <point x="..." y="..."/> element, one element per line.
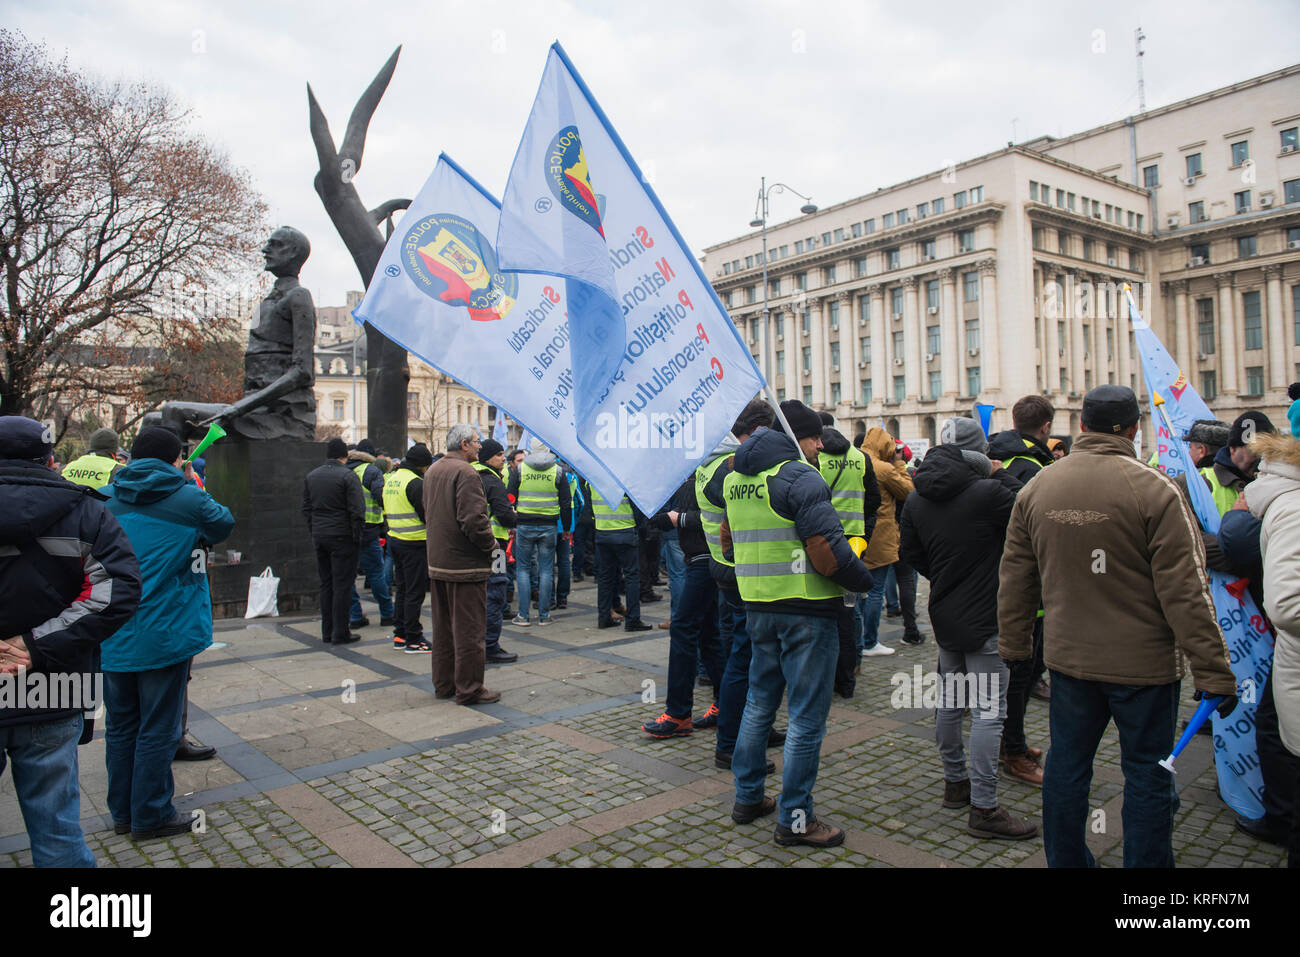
<point x="1069" y="201"/>
<point x="412" y="405"/>
<point x="869" y="225"/>
<point x="864" y="309"/>
<point x="896" y="300"/>
<point x="1254" y="380"/>
<point x="972" y="380"/>
<point x="965" y="240"/>
<point x="839" y="235"/>
<point x="856" y="229"/>
<point x="977" y="194"/>
<point x="780" y="361"/>
<point x="1293" y="238"/>
<point x="1245" y="247"/>
<point x="1209" y="385"/>
<point x="900" y="388"/>
<point x="1240" y="152"/>
<point x="1087" y="249"/>
<point x="1130" y="219"/>
<point x="1290" y="139"/>
<point x="903" y="217"/>
<point x="922" y="210"/>
<point x="970" y="284"/>
<point x="807" y="395"/>
<point x="726" y="269"/>
<point x="801" y="281"/>
<point x="1060" y="338"/>
<point x="798" y="246"/>
<point x="780" y="325"/>
<point x="936" y="384"/>
<point x="1291" y="191"/>
<point x="338" y="409"/>
<point x="927" y="250"/>
<point x="887" y="221"/>
<point x="835" y="356"/>
<point x="932" y="339"/>
<point x="1087" y="380"/>
<point x="866" y="391"/>
<point x="1200" y="254"/>
<point x="1033" y="191"/>
<point x="1087" y="340"/>
<point x="805" y="321"/>
<point x="1242" y="201"/>
<point x="1150" y="176"/>
<point x="775" y="287"/>
<point x="1063" y="242"/>
<point x="937" y="205"/>
<point x="892" y="258"/>
<point x="806" y="351"/>
<point x="780" y="395"/>
<point x="1194" y="165"/>
<point x="860" y="267"/>
<point x="835" y="393"/>
<point x="898" y="345"/>
<point x="1295" y="315"/>
<point x="1060" y="199"/>
<point x="1038" y="237"/>
<point x="1139" y="223"/>
<point x="1254" y="321"/>
<point x="749" y="262"/>
<point x="1063" y="382"/>
<point x="829" y="275"/>
<point x="1112" y="255"/>
<point x="785" y="251"/>
<point x="835" y="315"/>
<point x="932" y="294"/>
<point x="1196" y="211"/>
<point x="1205" y="325"/>
<point x="864" y="346"/>
<point x="972" y="336"/>
<point x="959" y="200"/>
<point x="826" y="239"/>
<point x="1135" y="260"/>
<point x="751" y="294"/>
<point x="1110" y="346"/>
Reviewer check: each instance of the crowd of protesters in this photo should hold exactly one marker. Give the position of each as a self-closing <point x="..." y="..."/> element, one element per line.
<point x="783" y="552"/>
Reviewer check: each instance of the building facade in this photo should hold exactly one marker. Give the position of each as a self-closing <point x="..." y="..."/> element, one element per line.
<point x="1005" y="274"/>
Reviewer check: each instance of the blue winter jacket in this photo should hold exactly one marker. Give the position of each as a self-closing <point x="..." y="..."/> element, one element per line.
<point x="170" y="522"/>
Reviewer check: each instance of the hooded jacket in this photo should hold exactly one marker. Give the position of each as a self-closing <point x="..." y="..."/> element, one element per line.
<point x="952" y="532"/>
<point x="895" y="485"/>
<point x="1274" y="499"/>
<point x="1010" y="443"/>
<point x="68" y="576"/>
<point x="543" y="461"/>
<point x="799" y="494"/>
<point x="834" y="442"/>
<point x="1109" y="550"/>
<point x="170" y="523"/>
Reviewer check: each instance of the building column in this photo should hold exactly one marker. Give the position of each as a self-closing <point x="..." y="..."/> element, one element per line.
<point x="782" y="345"/>
<point x="879" y="342"/>
<point x="913" y="357"/>
<point x="950" y="333"/>
<point x="1051" y="310"/>
<point x="1278" y="349"/>
<point x="1183" y="327"/>
<point x="1082" y="283"/>
<point x="817" y="340"/>
<point x="1227" y="334"/>
<point x="848" y="347"/>
<point x="991" y="359"/>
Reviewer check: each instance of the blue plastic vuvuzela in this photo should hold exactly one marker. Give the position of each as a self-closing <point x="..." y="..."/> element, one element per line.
<point x="1207" y="705"/>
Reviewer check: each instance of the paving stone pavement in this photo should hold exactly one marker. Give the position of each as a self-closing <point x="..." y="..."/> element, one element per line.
<point x="339" y="757"/>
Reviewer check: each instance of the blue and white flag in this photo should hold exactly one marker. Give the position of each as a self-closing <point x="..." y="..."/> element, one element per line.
<point x="1250" y="645"/>
<point x="440" y="293"/>
<point x="500" y="433"/>
<point x="661" y="372"/>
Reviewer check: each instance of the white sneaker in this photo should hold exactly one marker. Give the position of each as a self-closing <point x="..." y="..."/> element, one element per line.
<point x="877" y="650"/>
<point x="521" y="621"/>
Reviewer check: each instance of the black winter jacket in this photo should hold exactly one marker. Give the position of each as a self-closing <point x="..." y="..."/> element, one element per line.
<point x="1010" y="443"/>
<point x="69" y="578"/>
<point x="332" y="503"/>
<point x="690" y="533"/>
<point x="952" y="532"/>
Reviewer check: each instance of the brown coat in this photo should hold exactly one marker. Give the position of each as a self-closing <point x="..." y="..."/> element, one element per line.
<point x="895" y="485"/>
<point x="1111" y="551"/>
<point x="460" y="541"/>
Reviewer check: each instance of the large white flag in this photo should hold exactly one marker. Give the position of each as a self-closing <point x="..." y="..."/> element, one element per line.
<point x="440" y="293"/>
<point x="661" y="372"/>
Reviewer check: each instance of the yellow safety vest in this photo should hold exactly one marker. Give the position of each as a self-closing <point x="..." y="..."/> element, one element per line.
<point x="499" y="531"/>
<point x="710" y="515"/>
<point x="612" y="519"/>
<point x="403" y="522"/>
<point x="845" y="475"/>
<point x="374" y="510"/>
<point x="537" y="492"/>
<point x="1225" y="496"/>
<point x="93" y="470"/>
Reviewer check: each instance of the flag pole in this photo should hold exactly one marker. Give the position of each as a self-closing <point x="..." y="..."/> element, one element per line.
<point x="780" y="416"/>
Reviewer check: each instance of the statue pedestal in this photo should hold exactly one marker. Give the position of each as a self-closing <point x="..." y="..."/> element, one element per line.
<point x="261" y="483"/>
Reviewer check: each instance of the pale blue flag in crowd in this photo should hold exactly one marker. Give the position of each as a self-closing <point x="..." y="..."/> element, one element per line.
<point x="1250" y="644"/>
<point x="499" y="431"/>
<point x="440" y="293"/>
<point x="661" y="370"/>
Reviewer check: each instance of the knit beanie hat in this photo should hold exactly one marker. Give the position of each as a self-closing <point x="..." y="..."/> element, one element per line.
<point x="156" y="442"/>
<point x="965" y="433"/>
<point x="336" y="449"/>
<point x="490" y="448"/>
<point x="418" y="456"/>
<point x="804" y="422"/>
<point x="104" y="440"/>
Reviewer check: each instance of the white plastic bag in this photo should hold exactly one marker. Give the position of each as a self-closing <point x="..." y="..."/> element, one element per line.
<point x="262" y="590"/>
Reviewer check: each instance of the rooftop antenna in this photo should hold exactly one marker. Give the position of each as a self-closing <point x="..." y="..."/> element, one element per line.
<point x="1142" y="87"/>
<point x="1014" y="120"/>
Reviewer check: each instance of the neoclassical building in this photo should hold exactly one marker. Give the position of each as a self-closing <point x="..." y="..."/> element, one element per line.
<point x="1004" y="274"/>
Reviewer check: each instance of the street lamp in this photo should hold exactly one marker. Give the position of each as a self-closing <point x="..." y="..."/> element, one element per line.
<point x="760" y="222"/>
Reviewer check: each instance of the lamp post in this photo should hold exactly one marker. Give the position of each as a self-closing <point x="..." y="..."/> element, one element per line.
<point x="760" y="222"/>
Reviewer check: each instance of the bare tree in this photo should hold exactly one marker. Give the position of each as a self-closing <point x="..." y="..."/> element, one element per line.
<point x="110" y="206"/>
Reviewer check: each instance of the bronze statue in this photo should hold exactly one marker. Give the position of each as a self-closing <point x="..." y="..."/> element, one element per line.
<point x="279" y="364"/>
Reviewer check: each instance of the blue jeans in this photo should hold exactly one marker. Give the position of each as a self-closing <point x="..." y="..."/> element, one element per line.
<point x="870" y="606"/>
<point x="735" y="678"/>
<point x="496" y="607"/>
<point x="891" y="590"/>
<point x="693" y="636"/>
<point x="375" y="569"/>
<point x="535" y="543"/>
<point x="670" y="553"/>
<point x="563" y="571"/>
<point x="140" y="737"/>
<point x="44" y="756"/>
<point x="1146" y="717"/>
<point x="794" y="652"/>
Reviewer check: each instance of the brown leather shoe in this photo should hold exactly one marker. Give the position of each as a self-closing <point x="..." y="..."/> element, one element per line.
<point x="665" y="625"/>
<point x="818" y="834"/>
<point x="1041" y="690"/>
<point x="956" y="793"/>
<point x="486" y="696"/>
<point x="747" y="813"/>
<point x="1024" y="768"/>
<point x="996" y="823"/>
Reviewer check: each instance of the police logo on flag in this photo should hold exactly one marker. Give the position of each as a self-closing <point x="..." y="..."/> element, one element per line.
<point x="449" y="260"/>
<point x="570" y="180"/>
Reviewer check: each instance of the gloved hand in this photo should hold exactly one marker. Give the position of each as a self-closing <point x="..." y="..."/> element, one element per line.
<point x="1225" y="707"/>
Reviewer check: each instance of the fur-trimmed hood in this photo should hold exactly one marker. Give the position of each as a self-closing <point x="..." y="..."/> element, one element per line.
<point x="1279" y="470"/>
<point x="356" y="455"/>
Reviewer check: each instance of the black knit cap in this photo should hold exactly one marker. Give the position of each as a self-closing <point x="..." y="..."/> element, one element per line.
<point x="1260" y="424"/>
<point x="804" y="422"/>
<point x="418" y="456"/>
<point x="365" y="445"/>
<point x="490" y="448"/>
<point x="1110" y="408"/>
<point x="156" y="442"/>
<point x="336" y="449"/>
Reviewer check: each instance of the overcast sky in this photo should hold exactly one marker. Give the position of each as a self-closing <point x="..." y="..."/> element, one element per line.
<point x="834" y="98"/>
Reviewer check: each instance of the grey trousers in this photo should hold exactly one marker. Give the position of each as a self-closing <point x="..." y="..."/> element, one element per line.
<point x="976" y="680"/>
